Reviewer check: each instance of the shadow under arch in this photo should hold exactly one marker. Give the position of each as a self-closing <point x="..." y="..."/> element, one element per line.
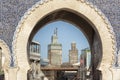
<point x="82" y="23"/>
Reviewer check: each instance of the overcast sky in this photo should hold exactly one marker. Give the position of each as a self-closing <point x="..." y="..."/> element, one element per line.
<point x="67" y="33"/>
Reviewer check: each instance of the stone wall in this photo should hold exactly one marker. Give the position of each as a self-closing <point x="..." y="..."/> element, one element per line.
<point x="11" y="12"/>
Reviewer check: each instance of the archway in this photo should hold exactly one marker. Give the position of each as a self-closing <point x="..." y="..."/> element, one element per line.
<point x="83" y="10"/>
<point x="91" y="33"/>
<point x="5" y="59"/>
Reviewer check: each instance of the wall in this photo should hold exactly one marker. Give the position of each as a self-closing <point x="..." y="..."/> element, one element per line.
<point x="11" y="12"/>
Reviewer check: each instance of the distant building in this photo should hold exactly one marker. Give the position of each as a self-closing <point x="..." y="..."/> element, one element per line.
<point x="44" y="62"/>
<point x="85" y="57"/>
<point x="55" y="50"/>
<point x="35" y="73"/>
<point x="35" y="51"/>
<point x="73" y="54"/>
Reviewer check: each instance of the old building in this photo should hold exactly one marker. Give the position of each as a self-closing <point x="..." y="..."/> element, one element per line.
<point x="35" y="51"/>
<point x="73" y="54"/>
<point x="55" y="50"/>
<point x="99" y="20"/>
<point x="34" y="59"/>
<point x="85" y="57"/>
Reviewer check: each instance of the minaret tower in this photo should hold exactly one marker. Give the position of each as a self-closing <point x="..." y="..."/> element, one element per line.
<point x="73" y="54"/>
<point x="55" y="50"/>
<point x="54" y="37"/>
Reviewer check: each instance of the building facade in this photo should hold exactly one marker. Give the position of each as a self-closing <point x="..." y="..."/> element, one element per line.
<point x="35" y="51"/>
<point x="55" y="50"/>
<point x="34" y="59"/>
<point x="19" y="17"/>
<point x="86" y="57"/>
<point x="73" y="54"/>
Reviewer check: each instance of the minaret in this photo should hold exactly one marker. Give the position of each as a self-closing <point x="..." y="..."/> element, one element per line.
<point x="55" y="50"/>
<point x="54" y="37"/>
<point x="73" y="54"/>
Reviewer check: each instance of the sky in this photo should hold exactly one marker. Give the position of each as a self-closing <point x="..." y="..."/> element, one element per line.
<point x="67" y="33"/>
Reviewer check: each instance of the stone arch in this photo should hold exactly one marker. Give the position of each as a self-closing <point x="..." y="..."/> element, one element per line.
<point x="70" y="16"/>
<point x="42" y="8"/>
<point x="6" y="53"/>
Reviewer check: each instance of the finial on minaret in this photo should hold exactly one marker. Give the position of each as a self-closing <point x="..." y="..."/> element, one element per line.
<point x="55" y="31"/>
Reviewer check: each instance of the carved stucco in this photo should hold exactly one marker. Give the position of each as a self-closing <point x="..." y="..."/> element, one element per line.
<point x="22" y="24"/>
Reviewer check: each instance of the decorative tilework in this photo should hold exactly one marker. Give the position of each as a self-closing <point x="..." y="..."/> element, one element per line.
<point x="111" y="9"/>
<point x="11" y="12"/>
